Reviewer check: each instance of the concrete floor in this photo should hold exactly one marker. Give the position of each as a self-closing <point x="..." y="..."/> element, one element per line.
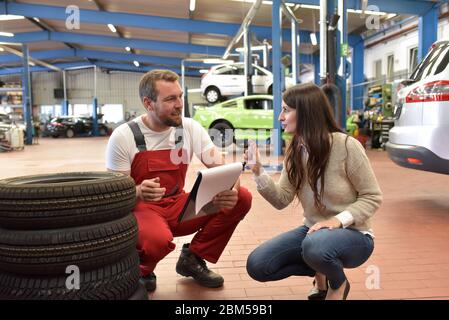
<point x="410" y="260"/>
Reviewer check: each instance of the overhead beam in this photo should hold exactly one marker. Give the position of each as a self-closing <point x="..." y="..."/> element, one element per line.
<point x="25" y="56"/>
<point x="117" y="56"/>
<point x="414" y="7"/>
<point x="101" y="64"/>
<point x="109" y="41"/>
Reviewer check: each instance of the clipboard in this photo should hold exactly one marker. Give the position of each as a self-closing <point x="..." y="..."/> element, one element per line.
<point x="209" y="183"/>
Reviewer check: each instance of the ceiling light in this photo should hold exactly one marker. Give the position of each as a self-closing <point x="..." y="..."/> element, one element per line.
<point x="1" y="49"/>
<point x="6" y="17"/>
<point x="368" y="12"/>
<point x="112" y="28"/>
<point x="192" y="5"/>
<point x="253" y="48"/>
<point x="136" y="63"/>
<point x="128" y="49"/>
<point x="204" y="71"/>
<point x="6" y="34"/>
<point x="313" y="39"/>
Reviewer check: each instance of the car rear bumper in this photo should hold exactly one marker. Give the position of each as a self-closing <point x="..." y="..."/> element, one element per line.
<point x="404" y="156"/>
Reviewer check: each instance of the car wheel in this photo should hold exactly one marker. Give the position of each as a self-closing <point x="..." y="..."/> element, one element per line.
<point x="213" y="95"/>
<point x="70" y="133"/>
<point x="222" y="134"/>
<point x="102" y="131"/>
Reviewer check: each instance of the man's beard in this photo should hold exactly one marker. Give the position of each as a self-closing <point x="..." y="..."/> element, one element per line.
<point x="170" y="122"/>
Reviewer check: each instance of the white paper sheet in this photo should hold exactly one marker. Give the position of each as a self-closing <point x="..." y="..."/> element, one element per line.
<point x="216" y="180"/>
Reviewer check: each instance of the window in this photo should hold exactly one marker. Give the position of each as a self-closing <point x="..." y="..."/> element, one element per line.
<point x="112" y="113"/>
<point x="259" y="104"/>
<point x="412" y="59"/>
<point x="227" y="70"/>
<point x="390" y="67"/>
<point x="435" y="62"/>
<point x="82" y="110"/>
<point x="378" y="69"/>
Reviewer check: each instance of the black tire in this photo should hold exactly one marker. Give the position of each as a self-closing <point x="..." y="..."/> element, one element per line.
<point x="49" y="252"/>
<point x="213" y="95"/>
<point x="69" y="133"/>
<point x="102" y="131"/>
<point x="116" y="281"/>
<point x="64" y="200"/>
<point x="220" y="134"/>
<point x="140" y="294"/>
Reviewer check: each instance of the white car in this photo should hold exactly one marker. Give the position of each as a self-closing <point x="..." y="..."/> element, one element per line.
<point x="229" y="80"/>
<point x="420" y="137"/>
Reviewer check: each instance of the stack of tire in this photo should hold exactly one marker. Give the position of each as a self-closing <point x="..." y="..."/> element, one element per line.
<point x="69" y="236"/>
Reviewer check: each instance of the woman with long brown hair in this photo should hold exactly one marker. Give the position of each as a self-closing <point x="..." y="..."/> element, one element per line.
<point x="330" y="174"/>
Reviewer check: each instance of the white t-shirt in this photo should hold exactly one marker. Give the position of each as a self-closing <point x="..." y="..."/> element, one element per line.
<point x="122" y="147"/>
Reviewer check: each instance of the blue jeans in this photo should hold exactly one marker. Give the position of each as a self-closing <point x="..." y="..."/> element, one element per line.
<point x="294" y="253"/>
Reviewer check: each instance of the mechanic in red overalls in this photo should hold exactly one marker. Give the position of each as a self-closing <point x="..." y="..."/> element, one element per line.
<point x="149" y="149"/>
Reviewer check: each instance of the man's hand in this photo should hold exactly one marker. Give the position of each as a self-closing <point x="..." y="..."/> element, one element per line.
<point x="150" y="190"/>
<point x="226" y="199"/>
<point x="332" y="223"/>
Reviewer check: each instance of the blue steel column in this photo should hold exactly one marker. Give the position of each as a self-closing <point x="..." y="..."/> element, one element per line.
<point x="277" y="74"/>
<point x="65" y="102"/>
<point x="26" y="95"/>
<point x="316" y="66"/>
<point x="428" y="31"/>
<point x="357" y="65"/>
<point x="94" y="107"/>
<point x="341" y="65"/>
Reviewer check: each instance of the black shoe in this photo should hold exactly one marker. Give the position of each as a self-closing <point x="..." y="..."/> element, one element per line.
<point x="347" y="288"/>
<point x="317" y="294"/>
<point x="149" y="281"/>
<point x="190" y="265"/>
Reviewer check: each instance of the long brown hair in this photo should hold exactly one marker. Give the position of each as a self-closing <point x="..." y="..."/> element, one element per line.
<point x="314" y="124"/>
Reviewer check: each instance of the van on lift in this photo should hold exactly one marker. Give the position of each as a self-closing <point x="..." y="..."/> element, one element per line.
<point x="420" y="137"/>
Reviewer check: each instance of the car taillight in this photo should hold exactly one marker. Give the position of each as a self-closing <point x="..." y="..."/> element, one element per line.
<point x="432" y="91"/>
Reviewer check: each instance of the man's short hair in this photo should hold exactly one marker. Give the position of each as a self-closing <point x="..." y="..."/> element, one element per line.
<point x="147" y="86"/>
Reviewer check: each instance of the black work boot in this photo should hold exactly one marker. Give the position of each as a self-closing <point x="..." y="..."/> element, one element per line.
<point x="190" y="265"/>
<point x="149" y="281"/>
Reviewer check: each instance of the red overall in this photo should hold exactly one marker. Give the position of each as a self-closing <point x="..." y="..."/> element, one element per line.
<point x="158" y="221"/>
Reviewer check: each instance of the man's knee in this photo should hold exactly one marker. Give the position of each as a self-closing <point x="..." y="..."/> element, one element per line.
<point x="243" y="203"/>
<point x="154" y="246"/>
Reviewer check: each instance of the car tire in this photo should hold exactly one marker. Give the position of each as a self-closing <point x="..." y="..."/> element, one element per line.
<point x="65" y="200"/>
<point x="117" y="281"/>
<point x="140" y="294"/>
<point x="213" y="95"/>
<point x="49" y="252"/>
<point x="218" y="134"/>
<point x="102" y="131"/>
<point x="69" y="133"/>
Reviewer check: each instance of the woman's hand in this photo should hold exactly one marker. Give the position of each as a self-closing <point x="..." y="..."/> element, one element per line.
<point x="252" y="158"/>
<point x="332" y="223"/>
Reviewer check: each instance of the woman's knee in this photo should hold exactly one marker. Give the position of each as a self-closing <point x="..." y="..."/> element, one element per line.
<point x="254" y="267"/>
<point x="312" y="252"/>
